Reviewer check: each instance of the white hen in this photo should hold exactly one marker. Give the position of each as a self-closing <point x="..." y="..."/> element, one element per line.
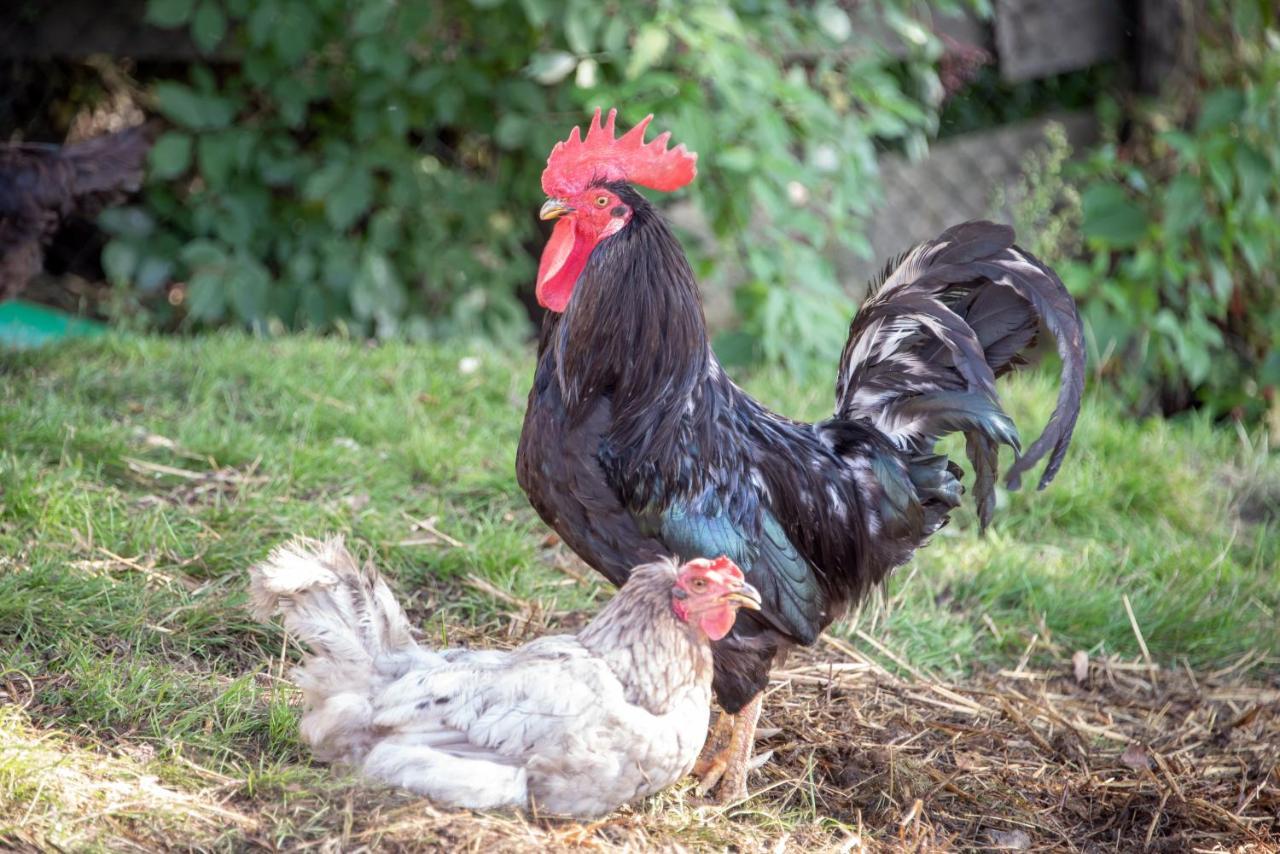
<point x="569" y="725"/>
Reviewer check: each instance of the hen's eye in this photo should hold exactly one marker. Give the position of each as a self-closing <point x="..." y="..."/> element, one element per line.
<point x="697" y="585"/>
<point x="602" y="201"/>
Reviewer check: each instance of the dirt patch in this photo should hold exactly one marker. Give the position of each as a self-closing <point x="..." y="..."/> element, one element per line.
<point x="1129" y="757"/>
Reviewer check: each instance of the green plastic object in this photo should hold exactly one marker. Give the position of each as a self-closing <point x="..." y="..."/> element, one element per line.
<point x="24" y="325"/>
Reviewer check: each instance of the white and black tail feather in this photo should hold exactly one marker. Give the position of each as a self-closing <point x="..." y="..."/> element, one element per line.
<point x="358" y="638"/>
<point x="928" y="343"/>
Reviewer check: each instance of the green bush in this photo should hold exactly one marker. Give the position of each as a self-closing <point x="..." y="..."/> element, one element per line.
<point x="376" y="164"/>
<point x="1180" y="284"/>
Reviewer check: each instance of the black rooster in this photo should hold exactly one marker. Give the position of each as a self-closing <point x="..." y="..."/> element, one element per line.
<point x="41" y="185"/>
<point x="637" y="445"/>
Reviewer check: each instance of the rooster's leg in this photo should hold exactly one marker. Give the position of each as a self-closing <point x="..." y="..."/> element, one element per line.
<point x="724" y="762"/>
<point x="710" y="765"/>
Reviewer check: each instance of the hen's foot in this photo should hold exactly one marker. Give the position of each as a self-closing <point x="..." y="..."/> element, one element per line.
<point x="726" y="767"/>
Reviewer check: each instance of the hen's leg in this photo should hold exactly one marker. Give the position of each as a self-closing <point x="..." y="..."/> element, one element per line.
<point x="728" y="765"/>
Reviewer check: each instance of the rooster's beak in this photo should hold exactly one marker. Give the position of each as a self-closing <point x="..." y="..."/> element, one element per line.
<point x="747" y="597"/>
<point x="553" y="208"/>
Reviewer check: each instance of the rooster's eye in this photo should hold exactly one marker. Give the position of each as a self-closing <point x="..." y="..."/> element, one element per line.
<point x="602" y="201"/>
<point x="697" y="585"/>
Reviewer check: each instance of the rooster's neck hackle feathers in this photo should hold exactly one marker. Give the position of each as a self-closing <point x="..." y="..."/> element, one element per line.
<point x="634" y="330"/>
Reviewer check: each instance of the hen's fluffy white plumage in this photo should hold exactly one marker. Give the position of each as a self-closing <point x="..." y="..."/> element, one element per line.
<point x="569" y="725"/>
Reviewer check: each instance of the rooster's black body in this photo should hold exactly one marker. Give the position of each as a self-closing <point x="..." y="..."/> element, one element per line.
<point x="637" y="445"/>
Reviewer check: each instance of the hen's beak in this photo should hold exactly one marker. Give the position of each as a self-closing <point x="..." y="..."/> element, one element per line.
<point x="747" y="597"/>
<point x="553" y="208"/>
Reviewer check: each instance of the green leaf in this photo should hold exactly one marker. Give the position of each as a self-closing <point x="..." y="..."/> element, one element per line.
<point x="1220" y="108"/>
<point x="538" y="12"/>
<point x="834" y="21"/>
<point x="372" y="17"/>
<point x="649" y="47"/>
<point x="737" y="348"/>
<point x="1253" y="170"/>
<point x="1221" y="281"/>
<point x="1255" y="248"/>
<point x="615" y="34"/>
<point x="262" y="22"/>
<point x="171" y="155"/>
<point x="203" y="254"/>
<point x="424" y="80"/>
<point x="581" y="25"/>
<point x="293" y="98"/>
<point x="448" y="103"/>
<point x="1111" y="218"/>
<point x="907" y="26"/>
<point x="1181" y="142"/>
<point x="208" y="26"/>
<point x="377" y="290"/>
<point x="217" y="156"/>
<point x="1220" y="163"/>
<point x="119" y="260"/>
<point x="169" y="13"/>
<point x="588" y="74"/>
<point x="550" y="67"/>
<point x="736" y="158"/>
<point x="206" y="297"/>
<point x="510" y="130"/>
<point x="294" y="32"/>
<point x="1192" y="338"/>
<point x="191" y="109"/>
<point x="1270" y="371"/>
<point x="247" y="285"/>
<point x="239" y="217"/>
<point x="152" y="272"/>
<point x="1183" y="204"/>
<point x="324" y="180"/>
<point x="350" y="198"/>
<point x="127" y="221"/>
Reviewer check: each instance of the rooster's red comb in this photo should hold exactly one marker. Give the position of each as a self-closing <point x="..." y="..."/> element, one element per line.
<point x="576" y="162"/>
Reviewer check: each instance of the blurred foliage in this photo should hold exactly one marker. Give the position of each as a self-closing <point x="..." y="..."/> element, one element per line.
<point x="374" y="164"/>
<point x="989" y="100"/>
<point x="1043" y="204"/>
<point x="1179" y="285"/>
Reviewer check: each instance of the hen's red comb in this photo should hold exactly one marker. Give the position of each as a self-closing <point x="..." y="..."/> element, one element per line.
<point x="727" y="566"/>
<point x="721" y="564"/>
<point x="577" y="161"/>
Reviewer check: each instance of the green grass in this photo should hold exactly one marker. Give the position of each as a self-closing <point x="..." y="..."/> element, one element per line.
<point x="129" y="657"/>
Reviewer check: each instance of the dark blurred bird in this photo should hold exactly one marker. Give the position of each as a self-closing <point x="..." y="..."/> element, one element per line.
<point x="571" y="724"/>
<point x="41" y="185"/>
<point x="636" y="445"/>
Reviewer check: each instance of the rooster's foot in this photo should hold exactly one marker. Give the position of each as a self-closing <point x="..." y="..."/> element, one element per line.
<point x="713" y="758"/>
<point x="726" y="759"/>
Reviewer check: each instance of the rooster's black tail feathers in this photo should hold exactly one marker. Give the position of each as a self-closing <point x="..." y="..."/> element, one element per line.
<point x="926" y="346"/>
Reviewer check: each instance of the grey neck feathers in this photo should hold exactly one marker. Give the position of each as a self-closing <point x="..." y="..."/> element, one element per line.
<point x="653" y="654"/>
